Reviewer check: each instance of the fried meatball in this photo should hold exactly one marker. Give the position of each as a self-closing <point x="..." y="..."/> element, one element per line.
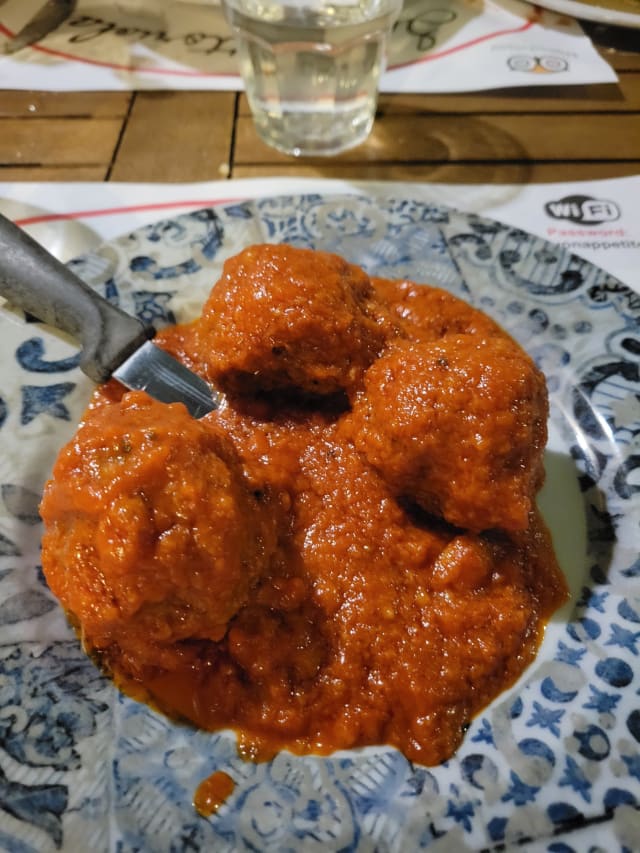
<point x="153" y="539"/>
<point x="424" y="313"/>
<point x="282" y="317"/>
<point x="458" y="426"/>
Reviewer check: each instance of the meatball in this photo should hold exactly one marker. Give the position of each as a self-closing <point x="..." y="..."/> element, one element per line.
<point x="424" y="313"/>
<point x="153" y="540"/>
<point x="283" y="318"/>
<point x="458" y="426"/>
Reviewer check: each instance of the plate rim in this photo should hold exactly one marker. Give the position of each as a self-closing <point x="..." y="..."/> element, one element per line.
<point x="589" y="12"/>
<point x="364" y="196"/>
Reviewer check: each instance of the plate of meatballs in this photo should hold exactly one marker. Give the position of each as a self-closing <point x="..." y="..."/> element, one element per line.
<point x="384" y="597"/>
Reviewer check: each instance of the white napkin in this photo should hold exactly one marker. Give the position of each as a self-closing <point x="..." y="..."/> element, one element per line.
<point x="453" y="46"/>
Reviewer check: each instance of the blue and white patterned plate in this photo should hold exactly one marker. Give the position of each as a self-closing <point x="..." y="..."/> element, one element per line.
<point x="553" y="764"/>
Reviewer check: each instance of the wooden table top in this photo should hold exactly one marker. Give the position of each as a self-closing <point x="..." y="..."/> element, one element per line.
<point x="510" y="136"/>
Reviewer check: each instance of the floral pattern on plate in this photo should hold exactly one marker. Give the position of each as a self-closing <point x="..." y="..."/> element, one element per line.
<point x="554" y="762"/>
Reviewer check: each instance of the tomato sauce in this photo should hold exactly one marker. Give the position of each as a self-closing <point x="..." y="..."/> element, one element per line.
<point x="213" y="792"/>
<point x="348" y="550"/>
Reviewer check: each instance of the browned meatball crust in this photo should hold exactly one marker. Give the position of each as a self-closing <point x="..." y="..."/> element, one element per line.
<point x="280" y="319"/>
<point x="459" y="426"/>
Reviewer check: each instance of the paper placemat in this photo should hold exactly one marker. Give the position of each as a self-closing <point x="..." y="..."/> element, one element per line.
<point x="436" y="47"/>
<point x="598" y="220"/>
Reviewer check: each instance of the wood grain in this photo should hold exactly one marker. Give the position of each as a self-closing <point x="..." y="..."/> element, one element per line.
<point x="67" y="104"/>
<point x="53" y="173"/>
<point x="439" y="138"/>
<point x="618" y="46"/>
<point x="454" y="173"/>
<point x="58" y="141"/>
<point x="622" y="61"/>
<point x="623" y="96"/>
<point x="176" y="136"/>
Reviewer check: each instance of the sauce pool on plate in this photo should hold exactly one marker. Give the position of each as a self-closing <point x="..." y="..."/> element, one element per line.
<point x="348" y="551"/>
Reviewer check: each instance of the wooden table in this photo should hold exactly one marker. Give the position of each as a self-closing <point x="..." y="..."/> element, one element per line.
<point x="516" y="136"/>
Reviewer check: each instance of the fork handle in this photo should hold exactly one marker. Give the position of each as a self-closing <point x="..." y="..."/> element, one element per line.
<point x="32" y="279"/>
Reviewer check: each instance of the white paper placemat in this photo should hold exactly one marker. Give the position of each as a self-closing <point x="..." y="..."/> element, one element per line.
<point x="436" y="47"/>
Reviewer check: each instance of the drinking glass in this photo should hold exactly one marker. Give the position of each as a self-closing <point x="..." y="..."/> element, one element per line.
<point x="311" y="69"/>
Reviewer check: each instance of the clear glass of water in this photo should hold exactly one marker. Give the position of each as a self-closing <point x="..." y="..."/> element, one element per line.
<point x="311" y="69"/>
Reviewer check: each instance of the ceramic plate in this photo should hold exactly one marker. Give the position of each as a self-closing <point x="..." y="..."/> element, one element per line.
<point x="555" y="762"/>
<point x="616" y="13"/>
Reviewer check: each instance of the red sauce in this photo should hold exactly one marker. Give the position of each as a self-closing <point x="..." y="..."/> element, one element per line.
<point x="212" y="793"/>
<point x="348" y="551"/>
